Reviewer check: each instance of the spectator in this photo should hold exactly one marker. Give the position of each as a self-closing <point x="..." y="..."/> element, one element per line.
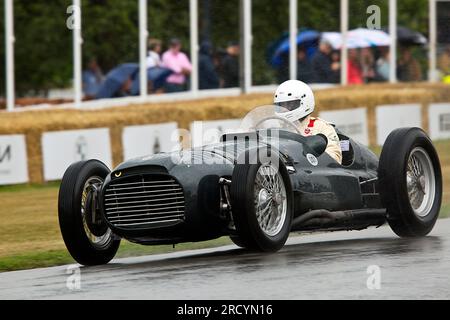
<point x="322" y="65"/>
<point x="304" y="70"/>
<point x="154" y="54"/>
<point x="92" y="79"/>
<point x="230" y="66"/>
<point x="408" y="68"/>
<point x="336" y="71"/>
<point x="367" y="65"/>
<point x="180" y="65"/>
<point x="283" y="68"/>
<point x="355" y="75"/>
<point x="383" y="65"/>
<point x="119" y="81"/>
<point x="156" y="73"/>
<point x="208" y="78"/>
<point x="444" y="62"/>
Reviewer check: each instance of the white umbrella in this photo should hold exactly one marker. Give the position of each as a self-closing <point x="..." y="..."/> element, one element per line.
<point x="373" y="38"/>
<point x="358" y="38"/>
<point x="333" y="38"/>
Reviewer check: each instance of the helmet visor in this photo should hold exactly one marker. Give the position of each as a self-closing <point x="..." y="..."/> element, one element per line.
<point x="287" y="106"/>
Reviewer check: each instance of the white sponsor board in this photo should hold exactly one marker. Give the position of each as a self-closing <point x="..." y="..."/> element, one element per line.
<point x="391" y="117"/>
<point x="439" y="120"/>
<point x="61" y="149"/>
<point x="351" y="122"/>
<point x="13" y="160"/>
<point x="208" y="132"/>
<point x="139" y="141"/>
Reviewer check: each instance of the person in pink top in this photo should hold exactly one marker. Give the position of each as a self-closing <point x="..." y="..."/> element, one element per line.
<point x="355" y="75"/>
<point x="179" y="63"/>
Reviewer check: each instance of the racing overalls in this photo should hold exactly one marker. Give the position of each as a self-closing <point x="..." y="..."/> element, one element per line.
<point x="311" y="126"/>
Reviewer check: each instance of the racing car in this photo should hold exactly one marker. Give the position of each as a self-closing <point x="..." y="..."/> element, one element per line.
<point x="256" y="186"/>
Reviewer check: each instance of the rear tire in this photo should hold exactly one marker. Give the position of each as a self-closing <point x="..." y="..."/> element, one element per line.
<point x="410" y="182"/>
<point x="262" y="215"/>
<point x="88" y="243"/>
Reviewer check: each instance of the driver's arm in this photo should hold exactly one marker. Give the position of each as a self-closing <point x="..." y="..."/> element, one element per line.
<point x="334" y="145"/>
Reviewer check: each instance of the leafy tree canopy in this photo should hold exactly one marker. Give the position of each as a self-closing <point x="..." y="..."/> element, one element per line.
<point x="43" y="50"/>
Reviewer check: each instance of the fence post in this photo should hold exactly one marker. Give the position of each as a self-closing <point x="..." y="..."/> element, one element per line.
<point x="193" y="13"/>
<point x="9" y="42"/>
<point x="433" y="40"/>
<point x="246" y="45"/>
<point x="77" y="54"/>
<point x="293" y="30"/>
<point x="393" y="46"/>
<point x="344" y="51"/>
<point x="143" y="36"/>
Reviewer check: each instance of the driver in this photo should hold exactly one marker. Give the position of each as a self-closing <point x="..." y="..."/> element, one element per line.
<point x="297" y="99"/>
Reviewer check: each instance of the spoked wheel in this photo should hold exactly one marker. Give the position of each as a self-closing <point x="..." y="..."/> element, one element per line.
<point x="262" y="207"/>
<point x="420" y="182"/>
<point x="270" y="200"/>
<point x="96" y="230"/>
<point x="410" y="182"/>
<point x="85" y="233"/>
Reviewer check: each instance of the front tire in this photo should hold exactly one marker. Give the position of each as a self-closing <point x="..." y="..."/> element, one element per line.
<point x="262" y="204"/>
<point x="239" y="242"/>
<point x="410" y="182"/>
<point x="87" y="237"/>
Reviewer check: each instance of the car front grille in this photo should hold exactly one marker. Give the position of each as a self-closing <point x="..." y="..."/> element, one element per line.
<point x="144" y="201"/>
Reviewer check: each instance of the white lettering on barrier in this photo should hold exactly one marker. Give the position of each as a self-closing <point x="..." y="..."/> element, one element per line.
<point x="439" y="121"/>
<point x="351" y="122"/>
<point x="61" y="149"/>
<point x="209" y="132"/>
<point x="139" y="141"/>
<point x="13" y="160"/>
<point x="391" y="117"/>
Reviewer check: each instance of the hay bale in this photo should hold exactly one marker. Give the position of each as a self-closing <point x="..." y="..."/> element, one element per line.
<point x="34" y="123"/>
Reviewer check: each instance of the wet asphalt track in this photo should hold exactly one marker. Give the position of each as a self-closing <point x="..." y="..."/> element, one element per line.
<point x="318" y="266"/>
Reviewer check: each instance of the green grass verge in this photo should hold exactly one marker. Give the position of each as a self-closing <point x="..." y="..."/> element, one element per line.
<point x="43" y="259"/>
<point x="30" y="187"/>
<point x="445" y="211"/>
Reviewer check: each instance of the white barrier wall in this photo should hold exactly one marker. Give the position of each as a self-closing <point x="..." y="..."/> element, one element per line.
<point x="208" y="132"/>
<point x="439" y="121"/>
<point x="61" y="149"/>
<point x="351" y="122"/>
<point x="13" y="160"/>
<point x="391" y="117"/>
<point x="138" y="141"/>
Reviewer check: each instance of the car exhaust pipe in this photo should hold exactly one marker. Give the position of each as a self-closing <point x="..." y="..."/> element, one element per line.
<point x="352" y="219"/>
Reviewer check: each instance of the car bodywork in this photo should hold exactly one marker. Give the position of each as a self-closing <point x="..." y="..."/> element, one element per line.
<point x="183" y="196"/>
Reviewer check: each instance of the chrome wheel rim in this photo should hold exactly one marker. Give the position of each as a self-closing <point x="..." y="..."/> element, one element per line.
<point x="104" y="240"/>
<point x="270" y="200"/>
<point x="420" y="182"/>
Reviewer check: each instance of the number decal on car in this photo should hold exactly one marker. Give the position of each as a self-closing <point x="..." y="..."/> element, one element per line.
<point x="312" y="160"/>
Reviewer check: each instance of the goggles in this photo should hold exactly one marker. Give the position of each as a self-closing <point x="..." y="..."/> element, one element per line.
<point x="287" y="106"/>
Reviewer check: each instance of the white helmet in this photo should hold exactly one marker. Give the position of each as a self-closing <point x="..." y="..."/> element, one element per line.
<point x="295" y="99"/>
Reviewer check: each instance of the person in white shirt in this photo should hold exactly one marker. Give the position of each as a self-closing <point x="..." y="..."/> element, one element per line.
<point x="156" y="72"/>
<point x="154" y="55"/>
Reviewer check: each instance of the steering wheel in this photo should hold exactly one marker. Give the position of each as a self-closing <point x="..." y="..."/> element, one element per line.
<point x="277" y="118"/>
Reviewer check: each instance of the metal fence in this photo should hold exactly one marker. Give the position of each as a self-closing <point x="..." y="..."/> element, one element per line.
<point x="246" y="55"/>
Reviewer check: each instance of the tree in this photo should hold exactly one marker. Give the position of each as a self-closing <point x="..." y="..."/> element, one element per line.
<point x="43" y="50"/>
<point x="43" y="45"/>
